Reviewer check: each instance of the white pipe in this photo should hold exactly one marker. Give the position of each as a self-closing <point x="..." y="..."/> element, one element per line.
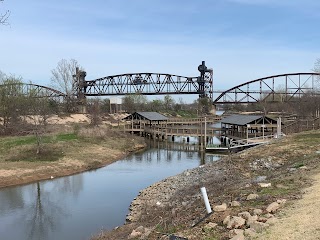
<point x="206" y="200"/>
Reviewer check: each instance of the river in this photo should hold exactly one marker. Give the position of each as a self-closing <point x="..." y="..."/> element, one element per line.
<point x="78" y="206"/>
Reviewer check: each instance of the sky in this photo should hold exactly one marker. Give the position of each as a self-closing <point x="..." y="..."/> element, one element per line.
<point x="241" y="40"/>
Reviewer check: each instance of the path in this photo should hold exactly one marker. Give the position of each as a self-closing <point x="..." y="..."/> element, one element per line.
<point x="299" y="220"/>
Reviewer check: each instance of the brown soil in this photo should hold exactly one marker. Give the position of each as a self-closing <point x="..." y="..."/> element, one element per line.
<point x="287" y="164"/>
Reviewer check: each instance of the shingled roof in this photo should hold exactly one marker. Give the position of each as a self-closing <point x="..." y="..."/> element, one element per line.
<point x="151" y="116"/>
<point x="238" y="119"/>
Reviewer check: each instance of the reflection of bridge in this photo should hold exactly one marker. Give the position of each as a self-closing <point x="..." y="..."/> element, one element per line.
<point x="278" y="88"/>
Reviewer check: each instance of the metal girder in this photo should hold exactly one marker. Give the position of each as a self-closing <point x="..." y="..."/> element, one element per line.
<point x="278" y="88"/>
<point x="34" y="90"/>
<point x="148" y="84"/>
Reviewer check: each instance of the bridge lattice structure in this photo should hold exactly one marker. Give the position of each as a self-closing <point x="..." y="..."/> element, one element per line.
<point x="277" y="88"/>
<point x="32" y="90"/>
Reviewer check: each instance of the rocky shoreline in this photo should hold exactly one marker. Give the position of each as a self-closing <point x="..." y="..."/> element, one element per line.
<point x="246" y="190"/>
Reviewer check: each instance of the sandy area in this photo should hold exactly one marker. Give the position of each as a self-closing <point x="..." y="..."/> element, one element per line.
<point x="299" y="220"/>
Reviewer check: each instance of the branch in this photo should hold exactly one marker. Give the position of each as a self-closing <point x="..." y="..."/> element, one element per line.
<point x="4" y="17"/>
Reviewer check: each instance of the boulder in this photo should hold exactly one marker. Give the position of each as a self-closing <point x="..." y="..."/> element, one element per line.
<point x="251" y="219"/>
<point x="245" y="215"/>
<point x="236" y="222"/>
<point x="227" y="220"/>
<point x="257" y="211"/>
<point x="264" y="185"/>
<point x="281" y="201"/>
<point x="252" y="196"/>
<point x="273" y="207"/>
<point x="220" y="208"/>
<point x="235" y="204"/>
<point x="134" y="234"/>
<point x="239" y="236"/>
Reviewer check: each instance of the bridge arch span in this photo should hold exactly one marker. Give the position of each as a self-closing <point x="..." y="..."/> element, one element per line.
<point x="34" y="89"/>
<point x="283" y="87"/>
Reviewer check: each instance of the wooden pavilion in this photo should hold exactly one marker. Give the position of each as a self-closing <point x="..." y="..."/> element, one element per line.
<point x="240" y="126"/>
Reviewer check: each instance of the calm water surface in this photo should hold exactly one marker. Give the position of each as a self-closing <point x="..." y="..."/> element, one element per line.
<point x="76" y="207"/>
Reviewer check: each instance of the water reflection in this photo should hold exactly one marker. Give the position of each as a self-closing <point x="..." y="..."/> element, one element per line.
<point x="78" y="206"/>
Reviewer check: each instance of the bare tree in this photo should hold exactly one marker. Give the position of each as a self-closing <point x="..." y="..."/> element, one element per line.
<point x="94" y="110"/>
<point x="4" y="16"/>
<point x="11" y="103"/>
<point x="62" y="79"/>
<point x="316" y="69"/>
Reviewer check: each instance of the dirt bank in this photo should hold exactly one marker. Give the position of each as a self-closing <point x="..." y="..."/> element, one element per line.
<point x="174" y="205"/>
<point x="63" y="154"/>
<point x="23" y="172"/>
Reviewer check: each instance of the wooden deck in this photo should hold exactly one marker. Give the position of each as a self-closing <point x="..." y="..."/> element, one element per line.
<point x="194" y="127"/>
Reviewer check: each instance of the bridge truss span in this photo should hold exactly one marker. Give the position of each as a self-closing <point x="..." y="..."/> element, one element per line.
<point x="33" y="90"/>
<point x="148" y="84"/>
<point x="277" y="88"/>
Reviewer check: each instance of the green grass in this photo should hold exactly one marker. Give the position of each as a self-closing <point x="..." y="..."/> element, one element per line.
<point x="67" y="137"/>
<point x="312" y="138"/>
<point x="29" y="155"/>
<point x="23" y="148"/>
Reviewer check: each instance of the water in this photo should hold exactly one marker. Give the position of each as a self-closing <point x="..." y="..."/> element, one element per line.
<point x="76" y="207"/>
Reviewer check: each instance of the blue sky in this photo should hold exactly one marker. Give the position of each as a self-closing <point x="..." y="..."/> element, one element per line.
<point x="240" y="39"/>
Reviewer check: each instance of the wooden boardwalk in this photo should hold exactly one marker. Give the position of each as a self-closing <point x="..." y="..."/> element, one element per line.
<point x="193" y="127"/>
<point x="240" y="144"/>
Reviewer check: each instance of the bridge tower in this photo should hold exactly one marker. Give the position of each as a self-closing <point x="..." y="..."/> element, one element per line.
<point x="206" y="90"/>
<point x="206" y="76"/>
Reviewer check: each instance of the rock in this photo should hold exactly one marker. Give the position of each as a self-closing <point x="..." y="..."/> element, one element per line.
<point x="236" y="222"/>
<point x="235" y="204"/>
<point x="303" y="168"/>
<point x="235" y="232"/>
<point x="281" y="201"/>
<point x="245" y="215"/>
<point x="184" y="204"/>
<point x="252" y="196"/>
<point x="264" y="185"/>
<point x="262" y="219"/>
<point x="227" y="220"/>
<point x="239" y="236"/>
<point x="210" y="226"/>
<point x="251" y="219"/>
<point x="273" y="207"/>
<point x="134" y="234"/>
<point x="258" y="226"/>
<point x="220" y="208"/>
<point x="250" y="232"/>
<point x="257" y="211"/>
<point x="158" y="203"/>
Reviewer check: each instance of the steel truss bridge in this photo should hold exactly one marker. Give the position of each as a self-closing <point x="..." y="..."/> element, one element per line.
<point x="32" y="90"/>
<point x="146" y="84"/>
<point x="277" y="88"/>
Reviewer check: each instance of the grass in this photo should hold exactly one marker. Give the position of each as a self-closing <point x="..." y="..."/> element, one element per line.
<point x="29" y="155"/>
<point x="23" y="148"/>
